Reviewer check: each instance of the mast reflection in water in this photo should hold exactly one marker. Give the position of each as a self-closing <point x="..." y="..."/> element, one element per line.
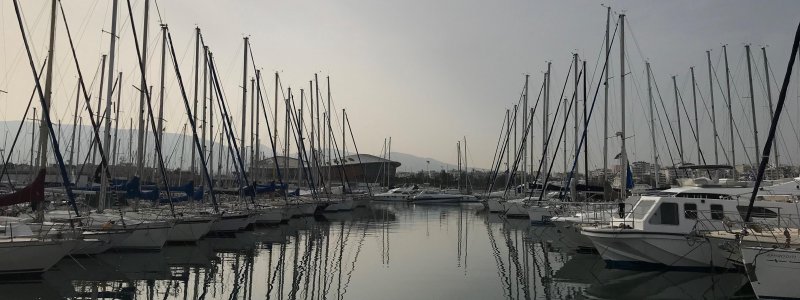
<point x="386" y="251"/>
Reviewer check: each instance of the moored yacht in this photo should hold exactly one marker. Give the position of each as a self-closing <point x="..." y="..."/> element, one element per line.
<point x="667" y="229"/>
<point x="23" y="252"/>
<point x="396" y="194"/>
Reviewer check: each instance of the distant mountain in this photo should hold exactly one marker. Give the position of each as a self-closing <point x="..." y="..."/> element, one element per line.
<point x="172" y="147"/>
<point x="413" y="163"/>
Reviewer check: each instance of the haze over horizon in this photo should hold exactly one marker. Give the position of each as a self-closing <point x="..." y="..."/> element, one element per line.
<point x="428" y="73"/>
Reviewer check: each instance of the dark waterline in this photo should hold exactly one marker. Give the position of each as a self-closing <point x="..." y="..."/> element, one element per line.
<point x="387" y="251"/>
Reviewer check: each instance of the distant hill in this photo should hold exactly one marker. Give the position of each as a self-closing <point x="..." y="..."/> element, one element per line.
<point x="413" y="163"/>
<point x="172" y="147"/>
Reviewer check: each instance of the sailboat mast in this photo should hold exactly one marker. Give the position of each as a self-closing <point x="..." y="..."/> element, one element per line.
<point x="573" y="186"/>
<point x="74" y="126"/>
<point x="204" y="123"/>
<point x="78" y="152"/>
<point x="466" y="165"/>
<point x="312" y="141"/>
<point x="116" y="120"/>
<point x="656" y="169"/>
<point x="160" y="123"/>
<point x="48" y="93"/>
<point x="585" y="128"/>
<point x="209" y="58"/>
<point x="713" y="108"/>
<point x="320" y="160"/>
<point x="545" y="122"/>
<point x="93" y="145"/>
<point x="606" y="191"/>
<point x="514" y="145"/>
<point x="257" y="92"/>
<point x="769" y="99"/>
<point x="623" y="155"/>
<point x="142" y="126"/>
<point x="730" y="110"/>
<point x="107" y="137"/>
<point x="696" y="120"/>
<point x="196" y="86"/>
<point x="508" y="128"/>
<point x="286" y="135"/>
<point x="244" y="102"/>
<point x="33" y="139"/>
<point x="330" y="134"/>
<point x="252" y="123"/>
<point x="678" y="117"/>
<point x="275" y="127"/>
<point x="752" y="101"/>
<point x="524" y="140"/>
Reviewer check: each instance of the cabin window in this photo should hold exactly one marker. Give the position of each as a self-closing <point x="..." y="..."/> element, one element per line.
<point x="757" y="212"/>
<point x="666" y="214"/>
<point x="690" y="211"/>
<point x="669" y="213"/>
<point x="717" y="213"/>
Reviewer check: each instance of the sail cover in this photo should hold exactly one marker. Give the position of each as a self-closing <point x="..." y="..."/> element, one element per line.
<point x="33" y="193"/>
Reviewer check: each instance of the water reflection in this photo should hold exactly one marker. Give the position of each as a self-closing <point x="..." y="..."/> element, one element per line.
<point x="386" y="251"/>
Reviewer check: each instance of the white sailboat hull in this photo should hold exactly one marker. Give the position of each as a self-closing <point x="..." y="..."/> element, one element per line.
<point x="31" y="256"/>
<point x="146" y="236"/>
<point x="99" y="241"/>
<point x="230" y="223"/>
<point x="773" y="272"/>
<point x="516" y="210"/>
<point x="539" y="214"/>
<point x="495" y="206"/>
<point x="190" y="229"/>
<point x="343" y="205"/>
<point x="270" y="216"/>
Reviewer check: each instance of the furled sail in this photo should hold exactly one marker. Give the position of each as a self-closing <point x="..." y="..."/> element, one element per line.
<point x="33" y="193"/>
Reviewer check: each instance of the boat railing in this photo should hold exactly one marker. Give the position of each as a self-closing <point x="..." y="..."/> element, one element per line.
<point x="586" y="212"/>
<point x="732" y="221"/>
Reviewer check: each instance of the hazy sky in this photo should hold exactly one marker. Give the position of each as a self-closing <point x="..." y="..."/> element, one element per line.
<point x="428" y="73"/>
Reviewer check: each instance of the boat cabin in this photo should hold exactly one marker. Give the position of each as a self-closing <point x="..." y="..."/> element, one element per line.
<point x="683" y="210"/>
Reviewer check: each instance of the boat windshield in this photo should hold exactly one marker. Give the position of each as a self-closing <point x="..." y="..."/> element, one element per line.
<point x="641" y="208"/>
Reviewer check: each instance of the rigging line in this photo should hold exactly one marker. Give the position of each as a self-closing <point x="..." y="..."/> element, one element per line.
<point x="506" y="147"/>
<point x="156" y="137"/>
<point x="664" y="133"/>
<point x="744" y="110"/>
<point x="46" y="115"/>
<point x="637" y="89"/>
<point x="87" y="98"/>
<point x="708" y="114"/>
<point x="562" y="190"/>
<point x="727" y="101"/>
<point x="692" y="127"/>
<point x="774" y="124"/>
<point x="495" y="157"/>
<point x="355" y="147"/>
<point x="664" y="109"/>
<point x="19" y="130"/>
<point x="585" y="130"/>
<point x="794" y="129"/>
<point x="272" y="143"/>
<point x="525" y="136"/>
<point x="228" y="129"/>
<point x="302" y="149"/>
<point x="550" y="133"/>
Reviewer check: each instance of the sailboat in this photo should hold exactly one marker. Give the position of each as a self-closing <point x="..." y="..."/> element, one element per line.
<point x="21" y="250"/>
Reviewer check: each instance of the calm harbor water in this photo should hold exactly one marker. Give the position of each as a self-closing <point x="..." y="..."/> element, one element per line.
<point x="386" y="251"/>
